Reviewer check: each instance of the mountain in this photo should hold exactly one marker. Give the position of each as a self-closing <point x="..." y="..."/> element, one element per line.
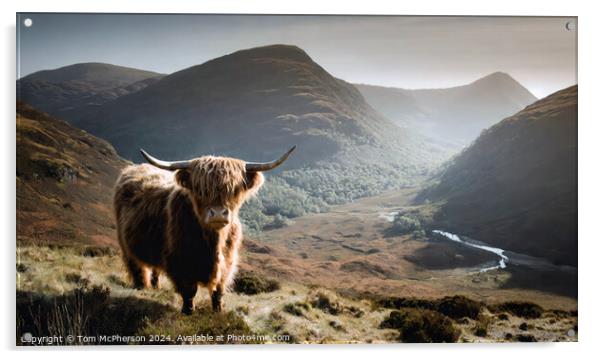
<point x="75" y="91"/>
<point x="453" y="115"/>
<point x="255" y="104"/>
<point x="65" y="178"/>
<point x="515" y="187"/>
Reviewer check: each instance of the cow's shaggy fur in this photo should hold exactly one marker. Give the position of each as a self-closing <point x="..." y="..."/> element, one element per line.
<point x="162" y="224"/>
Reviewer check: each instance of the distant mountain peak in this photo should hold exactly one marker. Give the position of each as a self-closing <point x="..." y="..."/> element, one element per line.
<point x="275" y="52"/>
<point x="279" y="51"/>
<point x="89" y="71"/>
<point x="455" y="114"/>
<point x="505" y="80"/>
<point x="497" y="77"/>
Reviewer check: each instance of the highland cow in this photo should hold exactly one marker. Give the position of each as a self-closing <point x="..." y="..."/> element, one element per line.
<point x="181" y="219"/>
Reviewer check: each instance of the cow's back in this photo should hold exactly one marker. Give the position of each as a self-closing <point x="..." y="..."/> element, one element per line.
<point x="140" y="202"/>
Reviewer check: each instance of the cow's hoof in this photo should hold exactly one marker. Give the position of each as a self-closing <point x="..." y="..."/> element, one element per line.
<point x="187" y="311"/>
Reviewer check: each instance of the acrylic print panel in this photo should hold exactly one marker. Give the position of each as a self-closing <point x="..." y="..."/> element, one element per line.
<point x="431" y="195"/>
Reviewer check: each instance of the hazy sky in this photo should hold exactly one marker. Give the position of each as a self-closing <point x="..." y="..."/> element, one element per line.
<point x="407" y="52"/>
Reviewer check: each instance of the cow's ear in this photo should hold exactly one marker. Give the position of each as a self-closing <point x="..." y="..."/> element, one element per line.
<point x="183" y="178"/>
<point x="254" y="181"/>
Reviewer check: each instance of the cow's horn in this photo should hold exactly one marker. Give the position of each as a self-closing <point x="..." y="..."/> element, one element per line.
<point x="166" y="165"/>
<point x="266" y="166"/>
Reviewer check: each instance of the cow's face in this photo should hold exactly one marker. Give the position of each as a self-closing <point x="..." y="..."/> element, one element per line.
<point x="218" y="186"/>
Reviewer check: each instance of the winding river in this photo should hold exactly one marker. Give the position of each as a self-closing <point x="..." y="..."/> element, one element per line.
<point x="498" y="251"/>
<point x="505" y="256"/>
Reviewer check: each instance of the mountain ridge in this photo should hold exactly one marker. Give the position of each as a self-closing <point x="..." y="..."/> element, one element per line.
<point x="277" y="90"/>
<point x="76" y="91"/>
<point x="452" y="115"/>
<point x="99" y="72"/>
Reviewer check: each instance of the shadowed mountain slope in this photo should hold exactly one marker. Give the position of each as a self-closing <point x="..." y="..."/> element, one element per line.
<point x="75" y="91"/>
<point x="516" y="186"/>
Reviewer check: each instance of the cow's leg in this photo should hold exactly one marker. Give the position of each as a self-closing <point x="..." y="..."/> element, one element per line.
<point x="187" y="291"/>
<point x="155" y="278"/>
<point x="136" y="271"/>
<point x="216" y="299"/>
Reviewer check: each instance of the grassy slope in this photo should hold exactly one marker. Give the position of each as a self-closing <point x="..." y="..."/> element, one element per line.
<point x="64" y="182"/>
<point x="47" y="277"/>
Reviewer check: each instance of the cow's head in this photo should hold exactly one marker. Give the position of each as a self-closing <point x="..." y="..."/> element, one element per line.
<point x="218" y="186"/>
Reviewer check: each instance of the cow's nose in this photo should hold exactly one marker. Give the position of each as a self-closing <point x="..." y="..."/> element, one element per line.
<point x="218" y="212"/>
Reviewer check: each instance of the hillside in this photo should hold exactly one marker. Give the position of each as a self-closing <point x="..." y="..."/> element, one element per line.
<point x="328" y="278"/>
<point x="451" y="115"/>
<point x="253" y="104"/>
<point x="64" y="182"/>
<point x="516" y="186"/>
<point x="75" y="91"/>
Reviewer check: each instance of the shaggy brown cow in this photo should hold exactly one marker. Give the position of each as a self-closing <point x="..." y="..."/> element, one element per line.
<point x="182" y="220"/>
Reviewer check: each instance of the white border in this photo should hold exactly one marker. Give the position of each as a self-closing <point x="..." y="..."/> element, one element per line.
<point x="590" y="174"/>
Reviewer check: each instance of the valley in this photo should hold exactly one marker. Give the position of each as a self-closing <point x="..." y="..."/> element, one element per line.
<point x="350" y="249"/>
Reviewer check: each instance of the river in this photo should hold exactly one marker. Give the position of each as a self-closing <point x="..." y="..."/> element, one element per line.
<point x="508" y="257"/>
<point x="498" y="251"/>
<point x="505" y="256"/>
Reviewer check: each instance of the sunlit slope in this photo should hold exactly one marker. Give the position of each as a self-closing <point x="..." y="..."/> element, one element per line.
<point x="65" y="178"/>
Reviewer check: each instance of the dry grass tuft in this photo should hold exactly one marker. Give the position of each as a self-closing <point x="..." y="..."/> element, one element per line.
<point x="250" y="284"/>
<point x="422" y="326"/>
<point x="520" y="309"/>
